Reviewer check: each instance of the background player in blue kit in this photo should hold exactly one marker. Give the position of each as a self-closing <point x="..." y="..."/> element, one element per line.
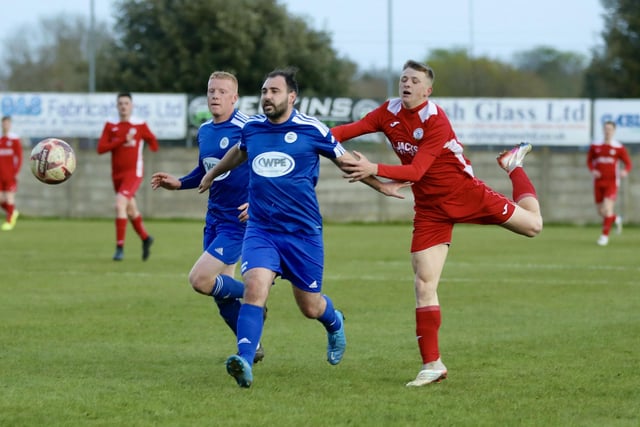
<point x="224" y="230"/>
<point x="284" y="229"/>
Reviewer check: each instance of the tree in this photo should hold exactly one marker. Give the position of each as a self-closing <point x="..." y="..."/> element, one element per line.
<point x="615" y="67"/>
<point x="540" y="72"/>
<point x="174" y="45"/>
<point x="456" y="74"/>
<point x="562" y="72"/>
<point x="51" y="56"/>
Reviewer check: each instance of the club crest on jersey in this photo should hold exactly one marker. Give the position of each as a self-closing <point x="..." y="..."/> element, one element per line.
<point x="273" y="164"/>
<point x="290" y="137"/>
<point x="209" y="163"/>
<point x="418" y="133"/>
<point x="224" y="142"/>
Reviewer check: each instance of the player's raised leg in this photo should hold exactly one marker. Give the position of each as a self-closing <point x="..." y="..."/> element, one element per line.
<point x="527" y="218"/>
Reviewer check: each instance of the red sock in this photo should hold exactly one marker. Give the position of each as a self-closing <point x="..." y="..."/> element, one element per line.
<point x="9" y="208"/>
<point x="522" y="186"/>
<point x="428" y="321"/>
<point x="139" y="227"/>
<point x="607" y="223"/>
<point x="121" y="229"/>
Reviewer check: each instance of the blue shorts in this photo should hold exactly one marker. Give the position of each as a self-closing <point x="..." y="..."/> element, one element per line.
<point x="297" y="258"/>
<point x="223" y="241"/>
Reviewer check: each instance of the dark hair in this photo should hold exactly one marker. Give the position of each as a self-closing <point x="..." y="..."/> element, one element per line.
<point x="418" y="66"/>
<point x="609" y="122"/>
<point x="289" y="74"/>
<point x="124" y="94"/>
<point x="6" y="118"/>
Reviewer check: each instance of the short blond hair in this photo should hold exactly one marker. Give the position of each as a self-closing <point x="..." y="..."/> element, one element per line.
<point x="224" y="75"/>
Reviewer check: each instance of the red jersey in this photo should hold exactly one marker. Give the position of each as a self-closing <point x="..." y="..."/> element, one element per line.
<point x="10" y="156"/>
<point x="126" y="158"/>
<point x="424" y="141"/>
<point x="604" y="158"/>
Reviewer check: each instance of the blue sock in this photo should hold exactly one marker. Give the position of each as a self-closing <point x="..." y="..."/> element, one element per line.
<point x="250" y="324"/>
<point x="229" y="310"/>
<point x="226" y="287"/>
<point x="329" y="319"/>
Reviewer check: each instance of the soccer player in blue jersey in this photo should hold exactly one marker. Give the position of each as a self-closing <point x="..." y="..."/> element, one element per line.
<point x="213" y="273"/>
<point x="284" y="229"/>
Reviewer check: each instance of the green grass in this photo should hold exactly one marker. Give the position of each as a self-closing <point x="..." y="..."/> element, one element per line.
<point x="535" y="332"/>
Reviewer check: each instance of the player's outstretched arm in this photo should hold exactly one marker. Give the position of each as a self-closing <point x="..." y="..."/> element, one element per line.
<point x="390" y="188"/>
<point x="357" y="167"/>
<point x="233" y="158"/>
<point x="165" y="180"/>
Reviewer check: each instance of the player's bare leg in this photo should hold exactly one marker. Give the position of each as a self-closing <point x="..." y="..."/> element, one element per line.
<point x="606" y="211"/>
<point x="527" y="218"/>
<point x="427" y="266"/>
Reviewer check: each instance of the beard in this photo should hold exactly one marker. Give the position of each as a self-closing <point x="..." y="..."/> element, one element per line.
<point x="277" y="110"/>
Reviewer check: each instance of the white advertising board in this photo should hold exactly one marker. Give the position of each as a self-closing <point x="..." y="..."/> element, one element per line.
<point x="507" y="121"/>
<point x="625" y="113"/>
<point x="79" y="115"/>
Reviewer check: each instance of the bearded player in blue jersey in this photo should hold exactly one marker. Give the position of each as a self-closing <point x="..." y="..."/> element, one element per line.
<point x="213" y="273"/>
<point x="284" y="229"/>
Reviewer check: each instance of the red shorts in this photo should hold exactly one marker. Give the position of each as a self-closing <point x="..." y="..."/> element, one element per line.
<point x="8" y="185"/>
<point x="474" y="204"/>
<point x="127" y="185"/>
<point x="604" y="190"/>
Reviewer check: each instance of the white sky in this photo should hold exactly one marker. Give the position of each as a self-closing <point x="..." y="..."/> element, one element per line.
<point x="359" y="28"/>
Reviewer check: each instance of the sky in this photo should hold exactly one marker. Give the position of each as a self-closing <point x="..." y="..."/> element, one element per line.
<point x="360" y="28"/>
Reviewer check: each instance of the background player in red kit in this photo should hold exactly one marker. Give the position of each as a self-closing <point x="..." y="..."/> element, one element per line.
<point x="10" y="163"/>
<point x="602" y="161"/>
<point x="445" y="193"/>
<point x="125" y="139"/>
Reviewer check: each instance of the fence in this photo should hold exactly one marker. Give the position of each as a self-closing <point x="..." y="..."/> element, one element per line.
<point x="560" y="176"/>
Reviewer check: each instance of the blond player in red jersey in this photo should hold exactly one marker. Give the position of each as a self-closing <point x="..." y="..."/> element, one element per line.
<point x="10" y="163"/>
<point x="445" y="193"/>
<point x="125" y="139"/>
<point x="602" y="161"/>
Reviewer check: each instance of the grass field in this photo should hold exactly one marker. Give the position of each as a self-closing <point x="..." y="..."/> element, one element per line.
<point x="536" y="332"/>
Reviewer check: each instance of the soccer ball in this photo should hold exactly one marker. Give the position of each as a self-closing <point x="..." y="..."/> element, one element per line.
<point x="52" y="161"/>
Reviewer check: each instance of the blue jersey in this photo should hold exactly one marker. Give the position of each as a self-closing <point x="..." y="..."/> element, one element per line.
<point x="230" y="189"/>
<point x="284" y="163"/>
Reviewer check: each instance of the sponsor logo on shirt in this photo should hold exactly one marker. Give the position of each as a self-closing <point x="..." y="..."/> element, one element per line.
<point x="401" y="147"/>
<point x="273" y="164"/>
<point x="209" y="163"/>
<point x="290" y="137"/>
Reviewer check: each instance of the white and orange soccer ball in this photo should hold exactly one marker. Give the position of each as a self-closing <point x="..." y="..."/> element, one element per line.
<point x="53" y="161"/>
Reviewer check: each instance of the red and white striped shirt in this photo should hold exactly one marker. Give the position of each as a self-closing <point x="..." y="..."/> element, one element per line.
<point x="424" y="141"/>
<point x="126" y="158"/>
<point x="10" y="156"/>
<point x="604" y="158"/>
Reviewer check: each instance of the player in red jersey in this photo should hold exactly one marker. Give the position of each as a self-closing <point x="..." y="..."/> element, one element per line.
<point x="602" y="161"/>
<point x="10" y="163"/>
<point x="445" y="193"/>
<point x="125" y="139"/>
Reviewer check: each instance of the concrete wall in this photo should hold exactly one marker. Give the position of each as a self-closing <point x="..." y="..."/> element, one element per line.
<point x="561" y="179"/>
